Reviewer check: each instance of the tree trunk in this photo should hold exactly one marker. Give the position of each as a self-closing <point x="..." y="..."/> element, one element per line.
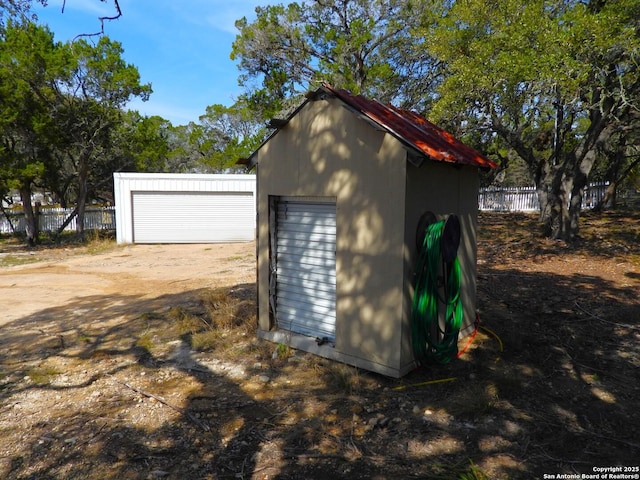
<point x="561" y="177"/>
<point x="555" y="190"/>
<point x="567" y="180"/>
<point x="83" y="187"/>
<point x="31" y="222"/>
<point x="8" y="217"/>
<point x="615" y="177"/>
<point x="575" y="207"/>
<point x="556" y="217"/>
<point x="67" y="221"/>
<point x="83" y="175"/>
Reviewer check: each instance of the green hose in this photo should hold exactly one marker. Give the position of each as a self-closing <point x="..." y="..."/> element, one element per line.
<point x="431" y="343"/>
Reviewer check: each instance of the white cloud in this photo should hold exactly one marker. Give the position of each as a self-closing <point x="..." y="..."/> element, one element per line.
<point x="222" y="14"/>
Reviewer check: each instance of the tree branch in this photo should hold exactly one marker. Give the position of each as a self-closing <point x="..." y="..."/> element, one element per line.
<point x="164" y="402"/>
<point x="102" y="20"/>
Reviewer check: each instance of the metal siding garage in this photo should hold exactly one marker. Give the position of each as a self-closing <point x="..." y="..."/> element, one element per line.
<point x="306" y="268"/>
<point x="184" y="208"/>
<point x="192" y="217"/>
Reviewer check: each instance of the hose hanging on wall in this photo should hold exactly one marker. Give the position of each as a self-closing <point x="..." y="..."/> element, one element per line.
<point x="438" y="278"/>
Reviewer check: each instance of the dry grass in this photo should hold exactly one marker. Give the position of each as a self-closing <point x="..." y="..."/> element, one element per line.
<point x="42" y="375"/>
<point x="98" y="241"/>
<point x="223" y="319"/>
<point x="13" y="260"/>
<point x="532" y="398"/>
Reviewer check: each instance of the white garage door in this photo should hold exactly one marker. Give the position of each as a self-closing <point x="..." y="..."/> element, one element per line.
<point x="306" y="268"/>
<point x="192" y="217"/>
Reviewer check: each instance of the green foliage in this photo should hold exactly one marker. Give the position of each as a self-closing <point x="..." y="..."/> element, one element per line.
<point x="368" y="47"/>
<point x="102" y="75"/>
<point x="222" y="136"/>
<point x="550" y="85"/>
<point x="10" y="9"/>
<point x="30" y="64"/>
<point x="142" y="142"/>
<point x="551" y="81"/>
<point x="230" y="133"/>
<point x="550" y="88"/>
<point x="61" y="109"/>
<point x="42" y="375"/>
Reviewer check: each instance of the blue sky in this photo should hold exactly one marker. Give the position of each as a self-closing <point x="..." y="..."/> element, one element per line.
<point x="181" y="48"/>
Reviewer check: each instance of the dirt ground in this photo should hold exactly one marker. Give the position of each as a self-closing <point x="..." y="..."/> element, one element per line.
<point x="141" y="361"/>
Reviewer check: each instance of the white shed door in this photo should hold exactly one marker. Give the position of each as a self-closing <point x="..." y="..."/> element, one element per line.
<point x="192" y="217"/>
<point x="306" y="268"/>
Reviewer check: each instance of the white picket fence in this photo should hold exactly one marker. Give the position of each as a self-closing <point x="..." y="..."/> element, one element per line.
<point x="516" y="199"/>
<point x="525" y="199"/>
<point x="51" y="219"/>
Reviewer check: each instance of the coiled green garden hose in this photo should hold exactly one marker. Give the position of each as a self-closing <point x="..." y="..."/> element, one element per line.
<point x="432" y="343"/>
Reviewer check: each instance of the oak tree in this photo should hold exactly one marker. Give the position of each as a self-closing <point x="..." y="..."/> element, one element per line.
<point x="555" y="81"/>
<point x="92" y="100"/>
<point x="368" y="47"/>
<point x="31" y="64"/>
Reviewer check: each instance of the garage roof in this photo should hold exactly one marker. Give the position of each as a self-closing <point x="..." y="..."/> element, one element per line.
<point x="410" y="128"/>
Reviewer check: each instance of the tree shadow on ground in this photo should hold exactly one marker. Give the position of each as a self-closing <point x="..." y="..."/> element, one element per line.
<point x="97" y="391"/>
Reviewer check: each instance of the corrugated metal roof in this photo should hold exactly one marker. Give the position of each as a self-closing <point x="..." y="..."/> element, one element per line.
<point x="408" y="127"/>
<point x="414" y="130"/>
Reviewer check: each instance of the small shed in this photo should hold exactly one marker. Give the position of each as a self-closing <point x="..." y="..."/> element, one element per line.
<point x="184" y="208"/>
<point x="344" y="185"/>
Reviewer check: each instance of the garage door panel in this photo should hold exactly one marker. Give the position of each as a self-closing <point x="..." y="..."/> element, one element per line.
<point x="192" y="217"/>
<point x="321" y="308"/>
<point x="309" y="322"/>
<point x="322" y="285"/>
<point x="306" y="268"/>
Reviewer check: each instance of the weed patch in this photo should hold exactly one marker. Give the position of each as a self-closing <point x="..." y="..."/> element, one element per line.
<point x="12" y="260"/>
<point x="41" y="376"/>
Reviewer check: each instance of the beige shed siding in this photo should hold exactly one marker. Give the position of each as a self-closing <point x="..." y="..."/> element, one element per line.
<point x="328" y="152"/>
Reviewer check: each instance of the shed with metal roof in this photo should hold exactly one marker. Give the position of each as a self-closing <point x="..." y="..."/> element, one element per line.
<point x="344" y="185"/>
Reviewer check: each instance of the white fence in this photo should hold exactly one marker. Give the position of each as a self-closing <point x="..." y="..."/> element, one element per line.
<point x="516" y="199"/>
<point x="525" y="199"/>
<point x="51" y="219"/>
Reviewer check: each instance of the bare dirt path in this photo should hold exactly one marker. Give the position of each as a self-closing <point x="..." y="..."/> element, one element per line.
<point x="141" y="271"/>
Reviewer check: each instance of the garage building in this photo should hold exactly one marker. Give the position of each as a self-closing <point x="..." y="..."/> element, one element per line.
<point x="184" y="208"/>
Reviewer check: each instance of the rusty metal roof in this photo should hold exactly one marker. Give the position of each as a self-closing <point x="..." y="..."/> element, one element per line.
<point x="413" y="130"/>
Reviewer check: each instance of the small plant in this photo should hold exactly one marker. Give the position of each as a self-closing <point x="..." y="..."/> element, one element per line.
<point x="185" y="322"/>
<point x="473" y="472"/>
<point x="145" y="341"/>
<point x="283" y="351"/>
<point x="40" y="376"/>
<point x="228" y="312"/>
<point x="474" y="401"/>
<point x="459" y="472"/>
<point x="260" y="349"/>
<point x="99" y="242"/>
<point x="344" y="377"/>
<point x="84" y="338"/>
<point x="205" y="340"/>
